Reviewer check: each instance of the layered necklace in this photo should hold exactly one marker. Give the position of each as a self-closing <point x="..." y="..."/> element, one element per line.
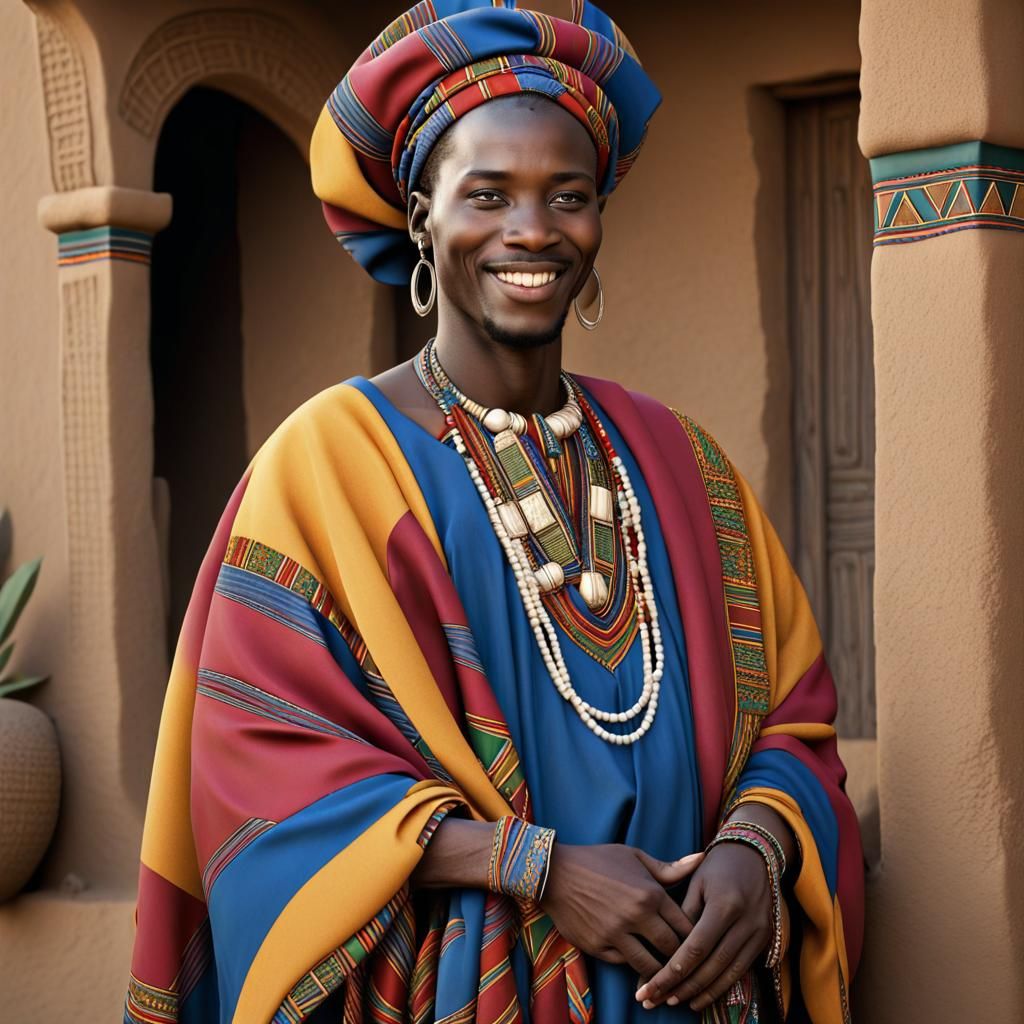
<point x="521" y="503"/>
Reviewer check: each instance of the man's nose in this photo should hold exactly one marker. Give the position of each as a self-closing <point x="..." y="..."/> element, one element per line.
<point x="531" y="226"/>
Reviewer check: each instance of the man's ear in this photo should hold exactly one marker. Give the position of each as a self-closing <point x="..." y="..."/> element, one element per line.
<point x="419" y="212"/>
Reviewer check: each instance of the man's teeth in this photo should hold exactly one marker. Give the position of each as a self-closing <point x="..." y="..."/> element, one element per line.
<point x="527" y="280"/>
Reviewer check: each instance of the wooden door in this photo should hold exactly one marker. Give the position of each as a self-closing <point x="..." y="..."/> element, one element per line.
<point x="830" y="231"/>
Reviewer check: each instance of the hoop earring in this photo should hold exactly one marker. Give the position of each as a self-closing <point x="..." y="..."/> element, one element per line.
<point x="423" y="308"/>
<point x="584" y="322"/>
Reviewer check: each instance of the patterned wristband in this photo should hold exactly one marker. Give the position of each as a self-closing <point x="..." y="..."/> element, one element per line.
<point x="520" y="858"/>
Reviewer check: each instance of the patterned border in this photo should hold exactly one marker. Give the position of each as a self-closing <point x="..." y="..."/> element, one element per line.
<point x="739" y="582"/>
<point x="929" y="192"/>
<point x="106" y="243"/>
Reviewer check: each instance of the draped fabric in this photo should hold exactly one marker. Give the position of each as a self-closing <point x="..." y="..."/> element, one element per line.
<point x="435" y="63"/>
<point x="331" y="701"/>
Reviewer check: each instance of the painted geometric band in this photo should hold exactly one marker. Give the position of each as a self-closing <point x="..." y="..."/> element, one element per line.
<point x="931" y="192"/>
<point x="105" y="243"/>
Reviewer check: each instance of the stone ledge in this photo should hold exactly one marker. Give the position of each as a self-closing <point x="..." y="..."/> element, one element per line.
<point x="103" y="205"/>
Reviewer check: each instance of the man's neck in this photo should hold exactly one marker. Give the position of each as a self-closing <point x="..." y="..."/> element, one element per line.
<point x="497" y="375"/>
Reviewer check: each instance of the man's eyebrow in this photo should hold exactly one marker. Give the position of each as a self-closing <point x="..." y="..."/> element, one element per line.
<point x="478" y="172"/>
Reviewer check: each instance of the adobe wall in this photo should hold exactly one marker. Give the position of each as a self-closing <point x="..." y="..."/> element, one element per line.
<point x="945" y="941"/>
<point x="694" y="258"/>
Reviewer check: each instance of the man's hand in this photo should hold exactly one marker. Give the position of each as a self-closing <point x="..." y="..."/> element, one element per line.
<point x="730" y="900"/>
<point x="605" y="899"/>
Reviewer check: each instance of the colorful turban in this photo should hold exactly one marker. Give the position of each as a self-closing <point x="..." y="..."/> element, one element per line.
<point x="435" y="63"/>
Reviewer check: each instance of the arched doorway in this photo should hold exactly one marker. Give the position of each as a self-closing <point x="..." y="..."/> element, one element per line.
<point x="254" y="309"/>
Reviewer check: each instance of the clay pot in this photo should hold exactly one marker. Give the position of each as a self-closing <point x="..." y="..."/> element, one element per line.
<point x="29" y="791"/>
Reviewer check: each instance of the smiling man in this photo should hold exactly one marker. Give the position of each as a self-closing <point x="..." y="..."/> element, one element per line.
<point x="497" y="699"/>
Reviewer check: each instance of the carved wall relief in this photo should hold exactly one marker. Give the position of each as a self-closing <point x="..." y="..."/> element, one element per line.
<point x="66" y="100"/>
<point x="255" y="55"/>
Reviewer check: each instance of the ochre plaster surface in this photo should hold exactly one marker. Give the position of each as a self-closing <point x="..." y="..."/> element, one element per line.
<point x="941" y="71"/>
<point x="89" y="937"/>
<point x="945" y="942"/>
<point x="694" y="257"/>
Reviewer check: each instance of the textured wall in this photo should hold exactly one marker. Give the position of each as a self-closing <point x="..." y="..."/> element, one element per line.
<point x="941" y="71"/>
<point x="945" y="936"/>
<point x="950" y="639"/>
<point x="694" y="258"/>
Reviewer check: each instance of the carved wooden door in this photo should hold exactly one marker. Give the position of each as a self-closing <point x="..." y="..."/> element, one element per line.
<point x="830" y="223"/>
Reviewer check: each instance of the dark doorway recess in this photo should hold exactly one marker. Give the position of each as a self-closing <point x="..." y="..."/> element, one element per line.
<point x="196" y="334"/>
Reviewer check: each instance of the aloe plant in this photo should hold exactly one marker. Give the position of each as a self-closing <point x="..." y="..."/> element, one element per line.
<point x="14" y="595"/>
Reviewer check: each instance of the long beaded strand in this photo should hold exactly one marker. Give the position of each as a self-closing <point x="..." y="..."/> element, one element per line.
<point x="529" y="589"/>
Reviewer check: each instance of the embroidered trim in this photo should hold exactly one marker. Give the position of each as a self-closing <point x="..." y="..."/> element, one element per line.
<point x="251" y="556"/>
<point x="520" y="857"/>
<point x="319" y="982"/>
<point x="739" y="583"/>
<point x="235" y="843"/>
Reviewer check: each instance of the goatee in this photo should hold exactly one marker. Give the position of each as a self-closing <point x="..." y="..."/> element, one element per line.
<point x="519" y="340"/>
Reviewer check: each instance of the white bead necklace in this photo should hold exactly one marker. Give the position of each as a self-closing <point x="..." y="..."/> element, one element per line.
<point x="537" y="615"/>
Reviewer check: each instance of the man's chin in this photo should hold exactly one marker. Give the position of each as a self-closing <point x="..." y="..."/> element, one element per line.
<point x="521" y="338"/>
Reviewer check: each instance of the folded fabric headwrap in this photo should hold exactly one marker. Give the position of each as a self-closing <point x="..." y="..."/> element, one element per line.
<point x="435" y="63"/>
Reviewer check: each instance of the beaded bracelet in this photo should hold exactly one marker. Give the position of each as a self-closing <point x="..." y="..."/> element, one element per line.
<point x="520" y="858"/>
<point x="752" y="826"/>
<point x="751" y="834"/>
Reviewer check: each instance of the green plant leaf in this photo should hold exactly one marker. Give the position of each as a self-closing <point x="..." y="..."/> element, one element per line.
<point x="15" y="593"/>
<point x="12" y="685"/>
<point x="5" y="656"/>
<point x="6" y="539"/>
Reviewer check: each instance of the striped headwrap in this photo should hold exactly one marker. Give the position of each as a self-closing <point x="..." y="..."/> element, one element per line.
<point x="435" y="63"/>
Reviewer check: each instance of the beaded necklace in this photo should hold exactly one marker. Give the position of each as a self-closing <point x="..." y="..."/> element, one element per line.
<point x="500" y="484"/>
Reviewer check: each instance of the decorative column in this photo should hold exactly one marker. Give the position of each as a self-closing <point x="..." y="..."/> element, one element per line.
<point x="942" y="120"/>
<point x="114" y="604"/>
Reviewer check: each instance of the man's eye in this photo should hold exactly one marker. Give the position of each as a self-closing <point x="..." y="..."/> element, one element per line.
<point x="566" y="198"/>
<point x="487" y="195"/>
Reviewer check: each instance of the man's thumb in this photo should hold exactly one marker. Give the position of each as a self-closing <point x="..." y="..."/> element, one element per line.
<point x="673" y="871"/>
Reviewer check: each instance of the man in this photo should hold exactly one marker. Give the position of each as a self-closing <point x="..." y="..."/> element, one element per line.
<point x="483" y="655"/>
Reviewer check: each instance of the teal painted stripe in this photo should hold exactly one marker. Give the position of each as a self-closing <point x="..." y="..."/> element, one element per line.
<point x="945" y="158"/>
<point x="101" y="243"/>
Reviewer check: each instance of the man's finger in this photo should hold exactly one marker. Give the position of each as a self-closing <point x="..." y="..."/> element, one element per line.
<point x="663" y="938"/>
<point x="693" y="901"/>
<point x="706" y="935"/>
<point x="673" y="915"/>
<point x="738" y="966"/>
<point x="637" y="957"/>
<point x="715" y="964"/>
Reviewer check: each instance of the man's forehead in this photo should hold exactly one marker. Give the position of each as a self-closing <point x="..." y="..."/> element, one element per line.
<point x="503" y="136"/>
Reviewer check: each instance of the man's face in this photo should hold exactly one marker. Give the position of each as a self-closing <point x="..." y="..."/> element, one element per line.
<point x="514" y="218"/>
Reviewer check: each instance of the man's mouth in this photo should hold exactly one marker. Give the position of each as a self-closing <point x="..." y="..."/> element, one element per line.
<point x="525" y="284"/>
<point x="534" y="280"/>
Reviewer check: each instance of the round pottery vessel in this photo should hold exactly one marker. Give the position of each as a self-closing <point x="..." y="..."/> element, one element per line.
<point x="29" y="791"/>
